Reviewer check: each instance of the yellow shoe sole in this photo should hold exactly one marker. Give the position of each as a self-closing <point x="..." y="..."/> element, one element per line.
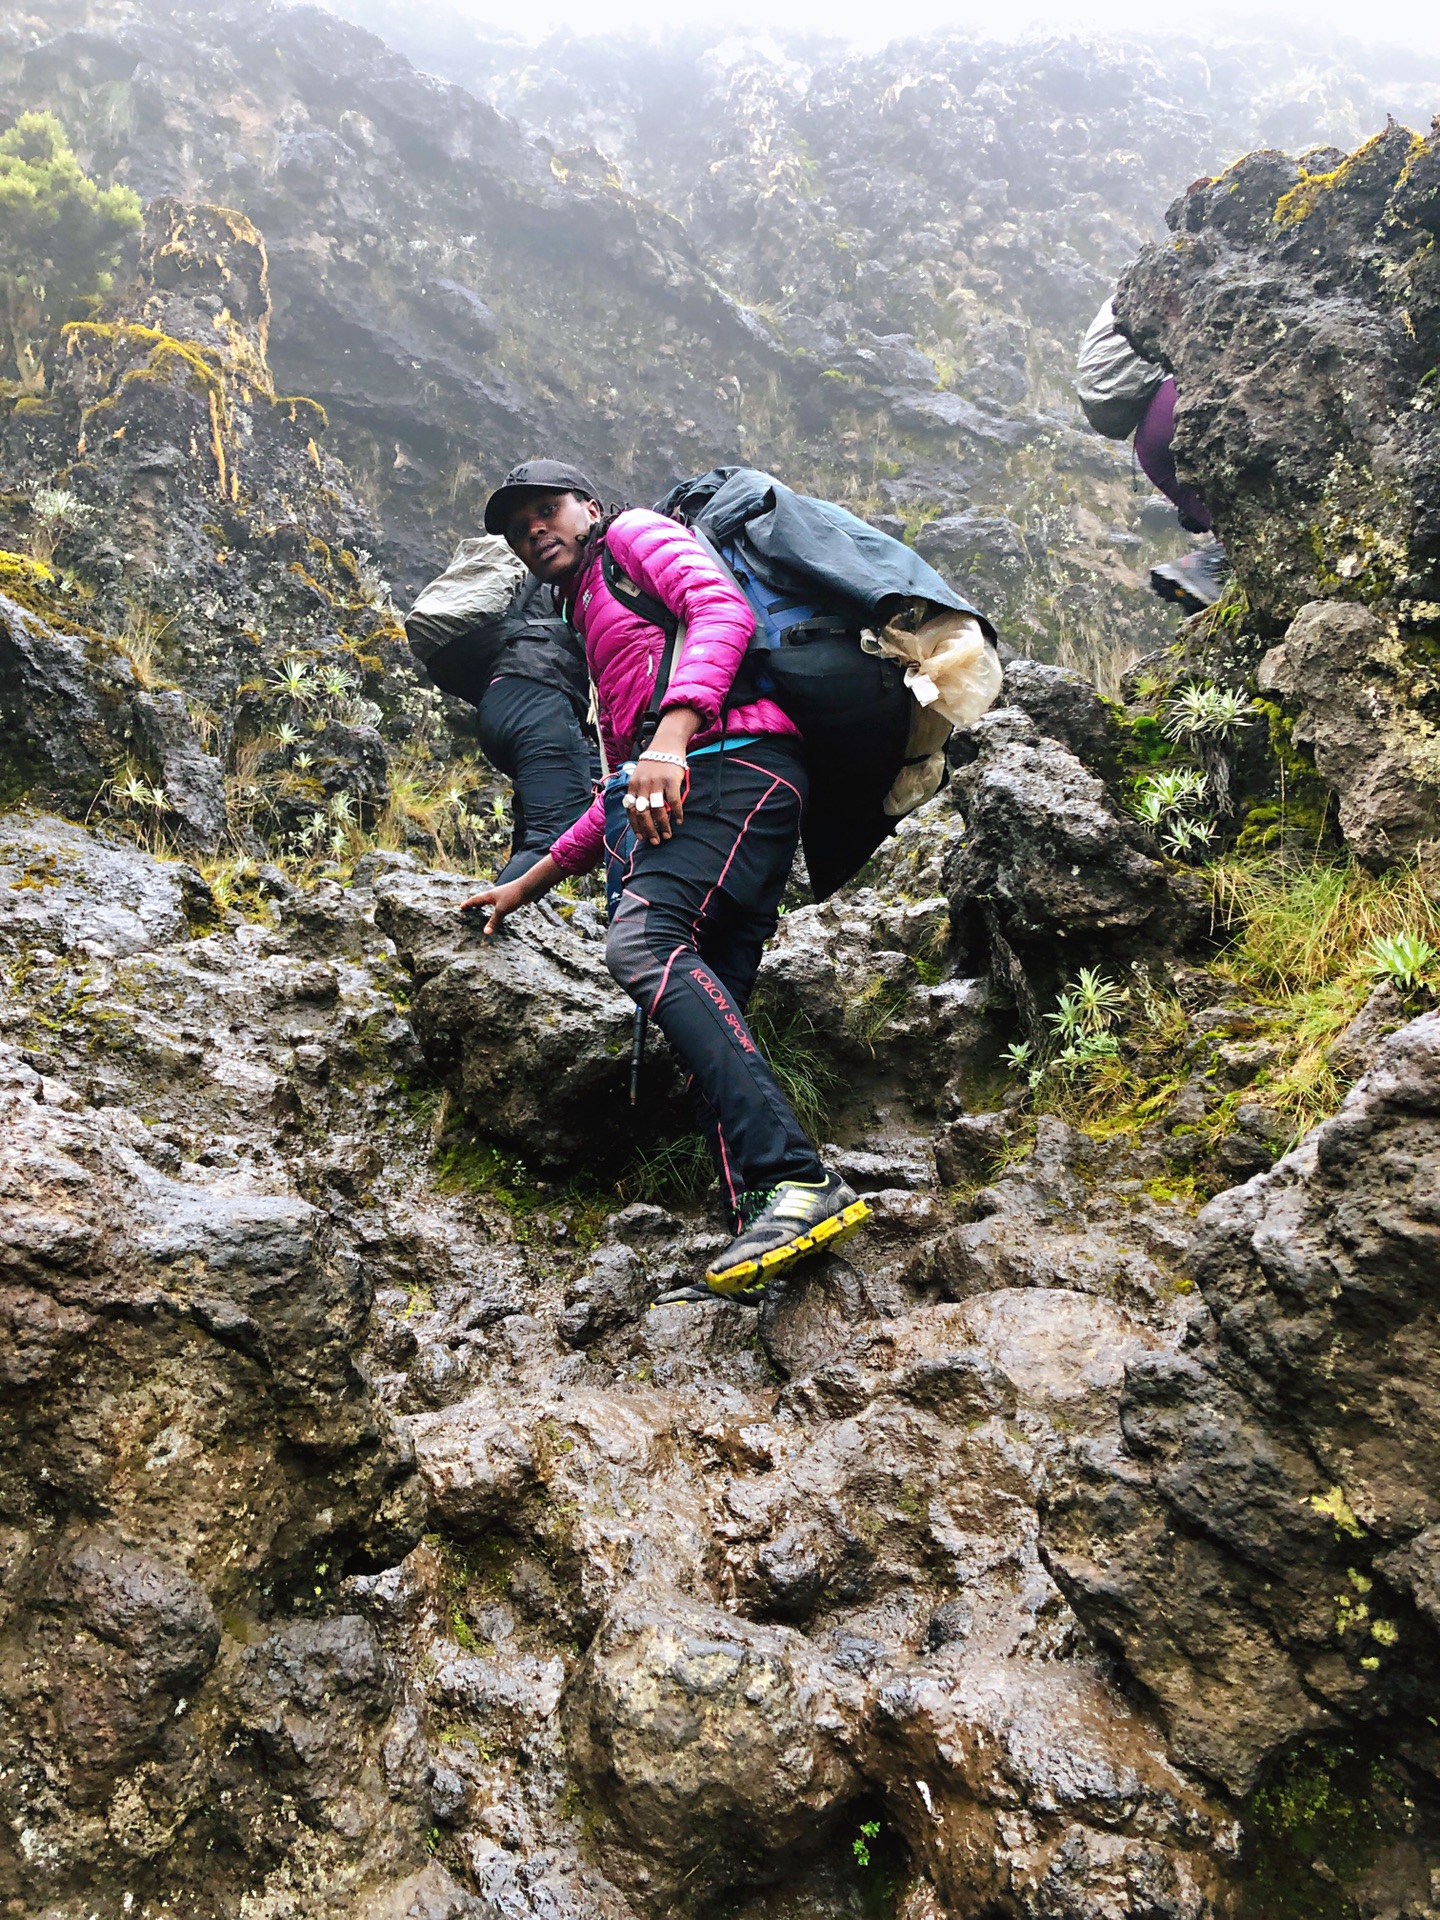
<point x="751" y="1276"/>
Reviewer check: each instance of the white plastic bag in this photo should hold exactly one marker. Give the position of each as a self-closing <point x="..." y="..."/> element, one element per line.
<point x="954" y="676"/>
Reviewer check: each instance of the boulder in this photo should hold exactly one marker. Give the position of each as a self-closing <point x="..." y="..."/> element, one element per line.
<point x="1359" y="699"/>
<point x="64" y="712"/>
<point x="708" y="1738"/>
<point x="1291" y="306"/>
<point x="1065" y="707"/>
<point x="1258" y="1552"/>
<point x="1049" y="850"/>
<point x="529" y="1023"/>
<point x="194" y="780"/>
<point x="1103" y="1809"/>
<point x="60" y="885"/>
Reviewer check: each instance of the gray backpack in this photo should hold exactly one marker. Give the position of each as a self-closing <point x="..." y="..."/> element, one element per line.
<point x="1114" y="384"/>
<point x="486" y="612"/>
<point x="474" y="590"/>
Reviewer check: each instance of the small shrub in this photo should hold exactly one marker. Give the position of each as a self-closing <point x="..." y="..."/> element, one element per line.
<point x="60" y="238"/>
<point x="1402" y="958"/>
<point x="860" y="1846"/>
<point x="1204" y="712"/>
<point x="373" y="588"/>
<point x="55" y="512"/>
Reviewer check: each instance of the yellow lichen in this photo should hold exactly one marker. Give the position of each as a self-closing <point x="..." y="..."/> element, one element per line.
<point x="1336" y="1507"/>
<point x="296" y="405"/>
<point x="1307" y="194"/>
<point x="166" y="359"/>
<point x="164" y="352"/>
<point x="19" y="570"/>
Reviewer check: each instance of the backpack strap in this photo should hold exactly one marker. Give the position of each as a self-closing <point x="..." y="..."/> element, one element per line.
<point x="630" y="594"/>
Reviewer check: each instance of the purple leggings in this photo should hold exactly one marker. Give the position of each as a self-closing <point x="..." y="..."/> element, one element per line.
<point x="1152" y="450"/>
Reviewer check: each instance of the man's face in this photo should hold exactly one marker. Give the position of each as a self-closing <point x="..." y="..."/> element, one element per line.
<point x="548" y="530"/>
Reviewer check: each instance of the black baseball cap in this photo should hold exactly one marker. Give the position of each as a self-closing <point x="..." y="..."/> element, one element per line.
<point x="551" y="476"/>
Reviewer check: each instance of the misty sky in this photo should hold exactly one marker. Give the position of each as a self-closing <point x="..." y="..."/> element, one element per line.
<point x="1399" y="23"/>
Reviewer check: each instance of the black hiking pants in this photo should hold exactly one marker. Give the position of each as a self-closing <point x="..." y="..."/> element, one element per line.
<point x="530" y="731"/>
<point x="685" y="943"/>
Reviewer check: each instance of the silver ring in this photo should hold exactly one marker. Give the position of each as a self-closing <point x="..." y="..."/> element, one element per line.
<point x="658" y="801"/>
<point x="641" y="804"/>
<point x="628" y="801"/>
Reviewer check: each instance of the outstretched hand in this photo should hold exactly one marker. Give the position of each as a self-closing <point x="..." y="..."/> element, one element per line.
<point x="500" y="900"/>
<point x="503" y="900"/>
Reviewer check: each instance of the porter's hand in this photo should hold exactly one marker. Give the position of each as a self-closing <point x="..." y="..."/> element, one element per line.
<point x="515" y="893"/>
<point x="500" y="900"/>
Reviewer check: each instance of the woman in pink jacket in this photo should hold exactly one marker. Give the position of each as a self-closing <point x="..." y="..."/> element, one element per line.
<point x="715" y="798"/>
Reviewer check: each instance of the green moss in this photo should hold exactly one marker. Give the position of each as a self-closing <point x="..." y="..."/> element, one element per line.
<point x="1143" y="742"/>
<point x="1272" y="821"/>
<point x="1304" y="802"/>
<point x="466" y="1161"/>
<point x="1177" y="1190"/>
<point x="1314" y="1827"/>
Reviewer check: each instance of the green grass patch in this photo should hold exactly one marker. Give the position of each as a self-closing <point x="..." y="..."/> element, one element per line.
<point x="1305" y="940"/>
<point x="675" y="1174"/>
<point x="803" y="1064"/>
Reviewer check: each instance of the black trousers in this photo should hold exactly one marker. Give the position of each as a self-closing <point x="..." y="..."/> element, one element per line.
<point x="685" y="943"/>
<point x="531" y="733"/>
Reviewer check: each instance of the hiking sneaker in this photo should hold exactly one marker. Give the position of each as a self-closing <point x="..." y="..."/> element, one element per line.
<point x="1194" y="580"/>
<point x="800" y="1217"/>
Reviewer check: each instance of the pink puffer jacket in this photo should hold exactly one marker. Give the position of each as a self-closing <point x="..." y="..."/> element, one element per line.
<point x="624" y="653"/>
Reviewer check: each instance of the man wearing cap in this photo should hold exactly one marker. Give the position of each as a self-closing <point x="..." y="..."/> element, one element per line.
<point x="713" y="779"/>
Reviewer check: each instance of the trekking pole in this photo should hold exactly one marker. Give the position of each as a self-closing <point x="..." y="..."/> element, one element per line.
<point x="637" y="1055"/>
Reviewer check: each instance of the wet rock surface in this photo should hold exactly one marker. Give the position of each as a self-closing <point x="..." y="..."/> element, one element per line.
<point x="1353" y="694"/>
<point x="698" y="1592"/>
<point x="1278" y="1484"/>
<point x="1048" y="854"/>
<point x="370" y="1547"/>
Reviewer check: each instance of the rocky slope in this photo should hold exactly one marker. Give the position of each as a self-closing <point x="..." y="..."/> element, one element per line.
<point x="370" y="1548"/>
<point x="868" y="273"/>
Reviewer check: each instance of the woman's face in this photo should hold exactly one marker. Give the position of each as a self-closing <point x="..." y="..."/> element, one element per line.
<point x="548" y="531"/>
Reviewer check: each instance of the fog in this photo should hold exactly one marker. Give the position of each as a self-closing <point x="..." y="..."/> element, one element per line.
<point x="1385" y="24"/>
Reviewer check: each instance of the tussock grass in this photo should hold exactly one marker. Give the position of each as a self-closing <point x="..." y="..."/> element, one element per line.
<point x="804" y="1066"/>
<point x="1308" y="940"/>
<point x="679" y="1172"/>
<point x="432" y="797"/>
<point x="141" y="639"/>
<point x="1299" y="928"/>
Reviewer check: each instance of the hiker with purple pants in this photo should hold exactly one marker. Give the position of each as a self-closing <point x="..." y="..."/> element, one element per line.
<point x="1122" y="393"/>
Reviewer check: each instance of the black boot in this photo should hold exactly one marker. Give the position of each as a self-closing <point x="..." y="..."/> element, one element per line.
<point x="1194" y="580"/>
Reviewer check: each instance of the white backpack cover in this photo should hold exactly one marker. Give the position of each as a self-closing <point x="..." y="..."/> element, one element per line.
<point x="1114" y="384"/>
